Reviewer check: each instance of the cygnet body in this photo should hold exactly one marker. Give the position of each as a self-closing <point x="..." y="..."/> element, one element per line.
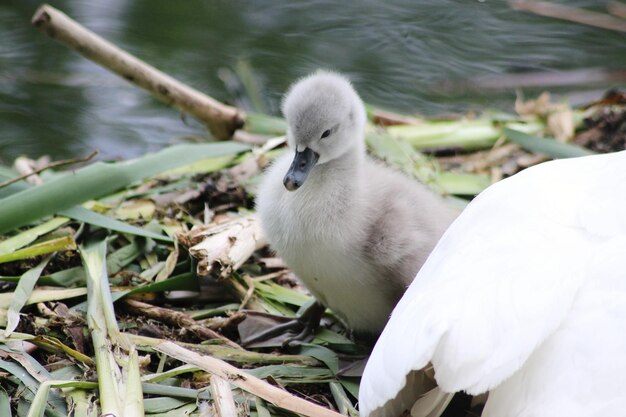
<point x="354" y="231"/>
<point x="524" y="296"/>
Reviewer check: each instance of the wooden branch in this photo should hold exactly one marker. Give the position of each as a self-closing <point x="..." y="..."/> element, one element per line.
<point x="222" y="120"/>
<point x="569" y="13"/>
<point x="220" y="323"/>
<point x="54" y="164"/>
<point x="617" y="9"/>
<point x="246" y="382"/>
<point x="176" y="318"/>
<point x="386" y="118"/>
<point x="583" y="76"/>
<point x="222" y="397"/>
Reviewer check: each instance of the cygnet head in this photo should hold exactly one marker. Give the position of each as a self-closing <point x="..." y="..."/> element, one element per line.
<point x="326" y="119"/>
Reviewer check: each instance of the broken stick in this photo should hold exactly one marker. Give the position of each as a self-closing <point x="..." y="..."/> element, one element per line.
<point x="176" y="318"/>
<point x="222" y="120"/>
<point x="222" y="397"/>
<point x="246" y="382"/>
<point x="572" y="14"/>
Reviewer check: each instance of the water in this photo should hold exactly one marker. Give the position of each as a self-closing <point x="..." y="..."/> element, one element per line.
<point x="405" y="55"/>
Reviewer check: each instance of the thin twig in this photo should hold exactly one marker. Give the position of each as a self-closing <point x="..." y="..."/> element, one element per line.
<point x="539" y="79"/>
<point x="269" y="276"/>
<point x="246" y="382"/>
<point x="249" y="293"/>
<point x="251" y="282"/>
<point x="242" y="292"/>
<point x="55" y="164"/>
<point x="386" y="118"/>
<point x="222" y="120"/>
<point x="569" y="13"/>
<point x="176" y="318"/>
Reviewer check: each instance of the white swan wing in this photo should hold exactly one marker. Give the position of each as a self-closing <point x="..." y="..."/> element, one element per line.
<point x="501" y="280"/>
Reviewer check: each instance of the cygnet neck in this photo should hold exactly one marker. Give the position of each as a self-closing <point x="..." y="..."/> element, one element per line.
<point x="349" y="164"/>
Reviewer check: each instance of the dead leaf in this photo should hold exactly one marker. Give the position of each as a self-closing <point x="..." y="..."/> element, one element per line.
<point x="561" y="124"/>
<point x="539" y="106"/>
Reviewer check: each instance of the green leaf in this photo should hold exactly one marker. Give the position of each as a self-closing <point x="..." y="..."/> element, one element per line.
<point x="75" y="276"/>
<point x="401" y="155"/>
<point x="324" y="335"/>
<point x="43" y="295"/>
<point x="233" y="354"/>
<point x="124" y="256"/>
<point x="52" y="344"/>
<point x="465" y="134"/>
<point x="179" y="392"/>
<point x="251" y="87"/>
<point x="188" y="281"/>
<point x="212" y="312"/>
<point x="83" y="404"/>
<point x="102" y="326"/>
<point x="162" y="404"/>
<point x="88" y="216"/>
<point x="132" y="391"/>
<point x="24" y="372"/>
<point x="67" y="373"/>
<point x="21" y="295"/>
<point x="117" y="362"/>
<point x="261" y="407"/>
<point x="183" y="411"/>
<point x="293" y="374"/>
<point x="341" y="399"/>
<point x="265" y="125"/>
<point x="545" y="146"/>
<point x="323" y="354"/>
<point x="99" y="180"/>
<point x="279" y="293"/>
<point x="183" y="369"/>
<point x="40" y="403"/>
<point x="5" y="403"/>
<point x="52" y="245"/>
<point x="7" y="174"/>
<point x="28" y="236"/>
<point x="100" y="311"/>
<point x="20" y="373"/>
<point x="463" y="183"/>
<point x="65" y="278"/>
<point x="203" y="166"/>
<point x="351" y="385"/>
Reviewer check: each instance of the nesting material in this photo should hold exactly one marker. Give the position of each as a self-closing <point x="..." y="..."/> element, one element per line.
<point x="226" y="245"/>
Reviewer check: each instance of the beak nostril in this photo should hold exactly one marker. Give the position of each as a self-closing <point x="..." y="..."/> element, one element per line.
<point x="301" y="165"/>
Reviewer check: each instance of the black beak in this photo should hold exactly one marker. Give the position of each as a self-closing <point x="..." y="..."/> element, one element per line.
<point x="300" y="168"/>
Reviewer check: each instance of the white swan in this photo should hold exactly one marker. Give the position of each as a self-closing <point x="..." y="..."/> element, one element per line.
<point x="354" y="231"/>
<point x="524" y="297"/>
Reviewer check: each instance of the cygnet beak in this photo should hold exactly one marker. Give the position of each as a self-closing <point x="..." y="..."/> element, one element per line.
<point x="302" y="164"/>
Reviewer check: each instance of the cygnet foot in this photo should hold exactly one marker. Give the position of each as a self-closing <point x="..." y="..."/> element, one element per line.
<point x="298" y="330"/>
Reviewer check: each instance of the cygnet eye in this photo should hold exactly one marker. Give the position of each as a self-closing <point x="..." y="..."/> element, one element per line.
<point x="326" y="133"/>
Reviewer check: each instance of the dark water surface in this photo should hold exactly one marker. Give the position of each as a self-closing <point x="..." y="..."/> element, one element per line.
<point x="411" y="56"/>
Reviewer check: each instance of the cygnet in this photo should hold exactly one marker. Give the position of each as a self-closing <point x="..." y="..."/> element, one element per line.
<point x="353" y="230"/>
